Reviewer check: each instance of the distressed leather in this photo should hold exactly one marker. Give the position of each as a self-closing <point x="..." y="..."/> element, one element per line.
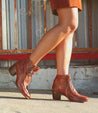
<point x="25" y="69"/>
<point x="63" y="85"/>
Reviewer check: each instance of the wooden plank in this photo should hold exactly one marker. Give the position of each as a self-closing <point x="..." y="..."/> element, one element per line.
<point x="90" y="23"/>
<point x="53" y="51"/>
<point x="45" y="25"/>
<point x="85" y="49"/>
<point x="30" y="24"/>
<point x="0" y="24"/>
<point x="75" y="39"/>
<point x="49" y="56"/>
<point x="15" y="14"/>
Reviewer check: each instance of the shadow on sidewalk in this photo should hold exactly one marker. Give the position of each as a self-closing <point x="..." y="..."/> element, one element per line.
<point x="38" y="99"/>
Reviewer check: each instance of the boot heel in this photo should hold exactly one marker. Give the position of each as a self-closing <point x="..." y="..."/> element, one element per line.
<point x="12" y="70"/>
<point x="56" y="96"/>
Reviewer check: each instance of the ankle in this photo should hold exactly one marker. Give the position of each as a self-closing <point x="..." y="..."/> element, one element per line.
<point x="33" y="62"/>
<point x="62" y="73"/>
<point x="65" y="75"/>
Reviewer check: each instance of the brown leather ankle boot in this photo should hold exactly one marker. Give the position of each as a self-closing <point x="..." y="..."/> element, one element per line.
<point x="63" y="86"/>
<point x="24" y="70"/>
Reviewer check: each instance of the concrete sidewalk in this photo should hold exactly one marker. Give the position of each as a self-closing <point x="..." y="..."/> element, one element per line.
<point x="41" y="102"/>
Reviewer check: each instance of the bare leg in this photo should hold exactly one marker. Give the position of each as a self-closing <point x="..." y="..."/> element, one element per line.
<point x="25" y="68"/>
<point x="62" y="84"/>
<point x="63" y="55"/>
<point x="68" y="21"/>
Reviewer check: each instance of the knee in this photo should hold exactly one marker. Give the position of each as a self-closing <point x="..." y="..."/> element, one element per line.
<point x="69" y="28"/>
<point x="73" y="27"/>
<point x="68" y="19"/>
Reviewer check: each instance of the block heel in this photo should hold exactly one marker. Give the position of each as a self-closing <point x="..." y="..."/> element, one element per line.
<point x="62" y="85"/>
<point x="56" y="96"/>
<point x="12" y="70"/>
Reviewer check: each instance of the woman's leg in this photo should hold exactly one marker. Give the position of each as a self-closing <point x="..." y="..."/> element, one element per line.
<point x="68" y="22"/>
<point x="62" y="84"/>
<point x="63" y="55"/>
<point x="24" y="69"/>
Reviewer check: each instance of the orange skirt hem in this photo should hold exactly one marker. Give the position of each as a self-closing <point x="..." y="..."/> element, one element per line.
<point x="55" y="4"/>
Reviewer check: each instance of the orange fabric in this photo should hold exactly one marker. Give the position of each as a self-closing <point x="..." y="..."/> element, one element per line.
<point x="64" y="3"/>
